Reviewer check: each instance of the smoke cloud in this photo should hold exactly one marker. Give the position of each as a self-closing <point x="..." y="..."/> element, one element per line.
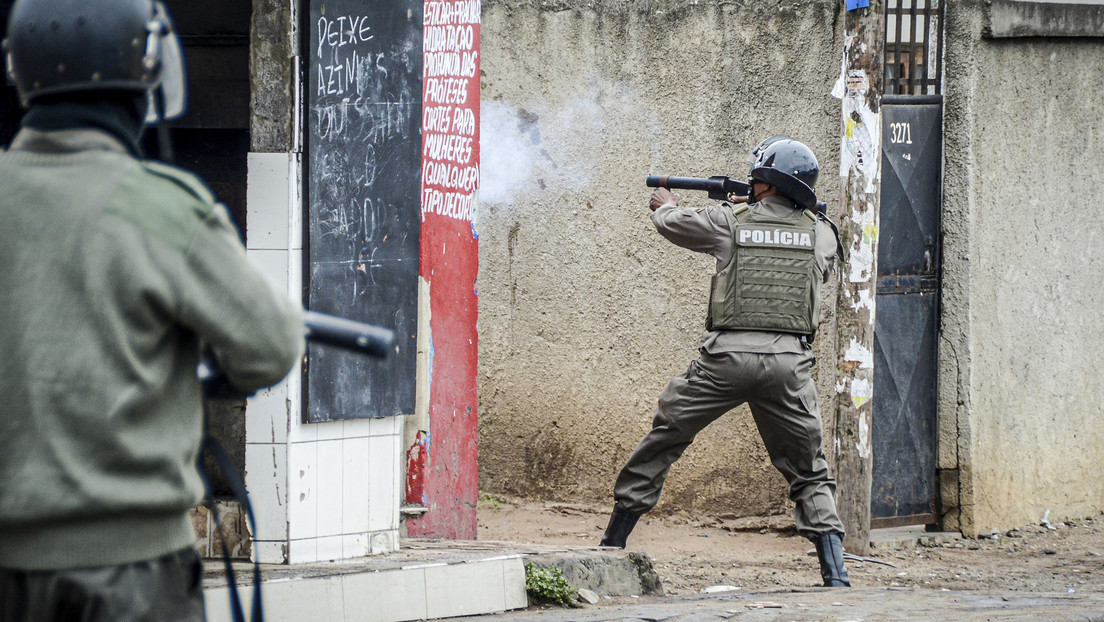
<point x="520" y="149"/>
<point x="507" y="153"/>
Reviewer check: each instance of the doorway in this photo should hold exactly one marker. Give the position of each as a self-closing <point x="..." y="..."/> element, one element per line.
<point x="905" y="487"/>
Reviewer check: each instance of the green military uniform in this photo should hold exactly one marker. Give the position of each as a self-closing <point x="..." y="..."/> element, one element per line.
<point x="116" y="272"/>
<point x="767" y="366"/>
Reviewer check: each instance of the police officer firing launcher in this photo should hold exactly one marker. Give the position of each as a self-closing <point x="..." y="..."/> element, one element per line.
<point x="773" y="254"/>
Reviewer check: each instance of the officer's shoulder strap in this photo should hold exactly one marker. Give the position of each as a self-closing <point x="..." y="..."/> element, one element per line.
<point x="188" y="181"/>
<point x="740" y="212"/>
<point x="839" y="245"/>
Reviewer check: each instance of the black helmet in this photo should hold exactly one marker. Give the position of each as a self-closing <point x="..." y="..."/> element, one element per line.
<point x="67" y="46"/>
<point x="787" y="165"/>
<point x="762" y="146"/>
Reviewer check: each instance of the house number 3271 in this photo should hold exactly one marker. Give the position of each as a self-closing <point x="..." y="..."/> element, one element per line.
<point x="900" y="133"/>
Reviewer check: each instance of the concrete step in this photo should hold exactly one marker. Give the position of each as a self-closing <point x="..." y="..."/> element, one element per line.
<point x="424" y="580"/>
<point x="910" y="537"/>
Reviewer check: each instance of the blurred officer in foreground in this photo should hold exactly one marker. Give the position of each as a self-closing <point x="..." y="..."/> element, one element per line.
<point x="773" y="255"/>
<point x="115" y="273"/>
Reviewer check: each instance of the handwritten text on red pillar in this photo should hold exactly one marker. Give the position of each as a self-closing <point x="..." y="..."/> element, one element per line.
<point x="450" y="165"/>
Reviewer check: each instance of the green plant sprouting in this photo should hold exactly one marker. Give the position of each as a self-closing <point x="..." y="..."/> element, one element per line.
<point x="544" y="584"/>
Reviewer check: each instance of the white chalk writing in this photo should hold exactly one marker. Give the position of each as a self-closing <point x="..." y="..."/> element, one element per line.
<point x="341" y="65"/>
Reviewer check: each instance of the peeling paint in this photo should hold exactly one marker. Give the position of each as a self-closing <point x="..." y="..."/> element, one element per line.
<point x="861" y="392"/>
<point x="860" y="144"/>
<point x="863" y="445"/>
<point x="861" y="260"/>
<point x="870" y="232"/>
<point x="430" y="354"/>
<point x="475" y="215"/>
<point x="865" y="301"/>
<point x="839" y="89"/>
<point x="860" y="354"/>
<point x="862" y="264"/>
<point x="417" y="458"/>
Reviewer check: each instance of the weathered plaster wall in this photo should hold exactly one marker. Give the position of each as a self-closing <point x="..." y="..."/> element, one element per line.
<point x="273" y="46"/>
<point x="1022" y="334"/>
<point x="585" y="311"/>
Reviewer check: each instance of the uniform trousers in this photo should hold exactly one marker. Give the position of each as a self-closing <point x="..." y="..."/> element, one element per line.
<point x="167" y="589"/>
<point x="781" y="394"/>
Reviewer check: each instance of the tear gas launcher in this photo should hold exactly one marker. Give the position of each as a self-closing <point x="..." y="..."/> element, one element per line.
<point x="719" y="187"/>
<point x="349" y="335"/>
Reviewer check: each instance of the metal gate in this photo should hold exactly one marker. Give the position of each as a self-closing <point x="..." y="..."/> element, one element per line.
<point x="905" y="487"/>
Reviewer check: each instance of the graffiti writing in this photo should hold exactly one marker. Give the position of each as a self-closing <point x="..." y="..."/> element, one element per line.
<point x="450" y="109"/>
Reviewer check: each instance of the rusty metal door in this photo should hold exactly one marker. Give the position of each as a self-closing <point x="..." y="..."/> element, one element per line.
<point x="905" y="485"/>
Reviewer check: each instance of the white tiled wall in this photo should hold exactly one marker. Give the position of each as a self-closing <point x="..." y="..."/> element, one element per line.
<point x="356" y="458"/>
<point x="384" y="514"/>
<point x="266" y="481"/>
<point x="319" y="491"/>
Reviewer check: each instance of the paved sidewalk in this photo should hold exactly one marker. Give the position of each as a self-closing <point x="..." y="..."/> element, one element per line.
<point x="862" y="604"/>
<point x="433" y="579"/>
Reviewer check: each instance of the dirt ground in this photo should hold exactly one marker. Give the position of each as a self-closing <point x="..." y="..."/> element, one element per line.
<point x="693" y="553"/>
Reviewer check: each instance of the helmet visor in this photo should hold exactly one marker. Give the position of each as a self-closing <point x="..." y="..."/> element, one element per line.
<point x="9" y="69"/>
<point x="168" y="97"/>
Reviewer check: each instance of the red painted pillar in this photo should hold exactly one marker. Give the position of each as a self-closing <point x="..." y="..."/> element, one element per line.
<point x="442" y="470"/>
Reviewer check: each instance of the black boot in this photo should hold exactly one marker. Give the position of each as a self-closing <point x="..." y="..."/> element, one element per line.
<point x="621" y="524"/>
<point x="829" y="548"/>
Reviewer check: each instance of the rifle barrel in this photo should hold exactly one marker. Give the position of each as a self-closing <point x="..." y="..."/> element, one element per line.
<point x="348" y="334"/>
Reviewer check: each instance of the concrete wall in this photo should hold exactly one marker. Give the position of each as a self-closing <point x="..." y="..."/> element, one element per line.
<point x="585" y="311"/>
<point x="1022" y="335"/>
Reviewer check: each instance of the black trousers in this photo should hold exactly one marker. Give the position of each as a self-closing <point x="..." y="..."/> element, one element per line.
<point x="169" y="588"/>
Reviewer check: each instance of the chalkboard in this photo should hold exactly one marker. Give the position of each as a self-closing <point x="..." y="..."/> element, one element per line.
<point x="363" y="138"/>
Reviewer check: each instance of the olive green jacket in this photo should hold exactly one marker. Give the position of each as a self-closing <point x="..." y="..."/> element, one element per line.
<point x="709" y="231"/>
<point x="113" y="272"/>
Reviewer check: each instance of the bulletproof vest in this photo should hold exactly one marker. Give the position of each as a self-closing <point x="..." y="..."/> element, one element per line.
<point x="772" y="282"/>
